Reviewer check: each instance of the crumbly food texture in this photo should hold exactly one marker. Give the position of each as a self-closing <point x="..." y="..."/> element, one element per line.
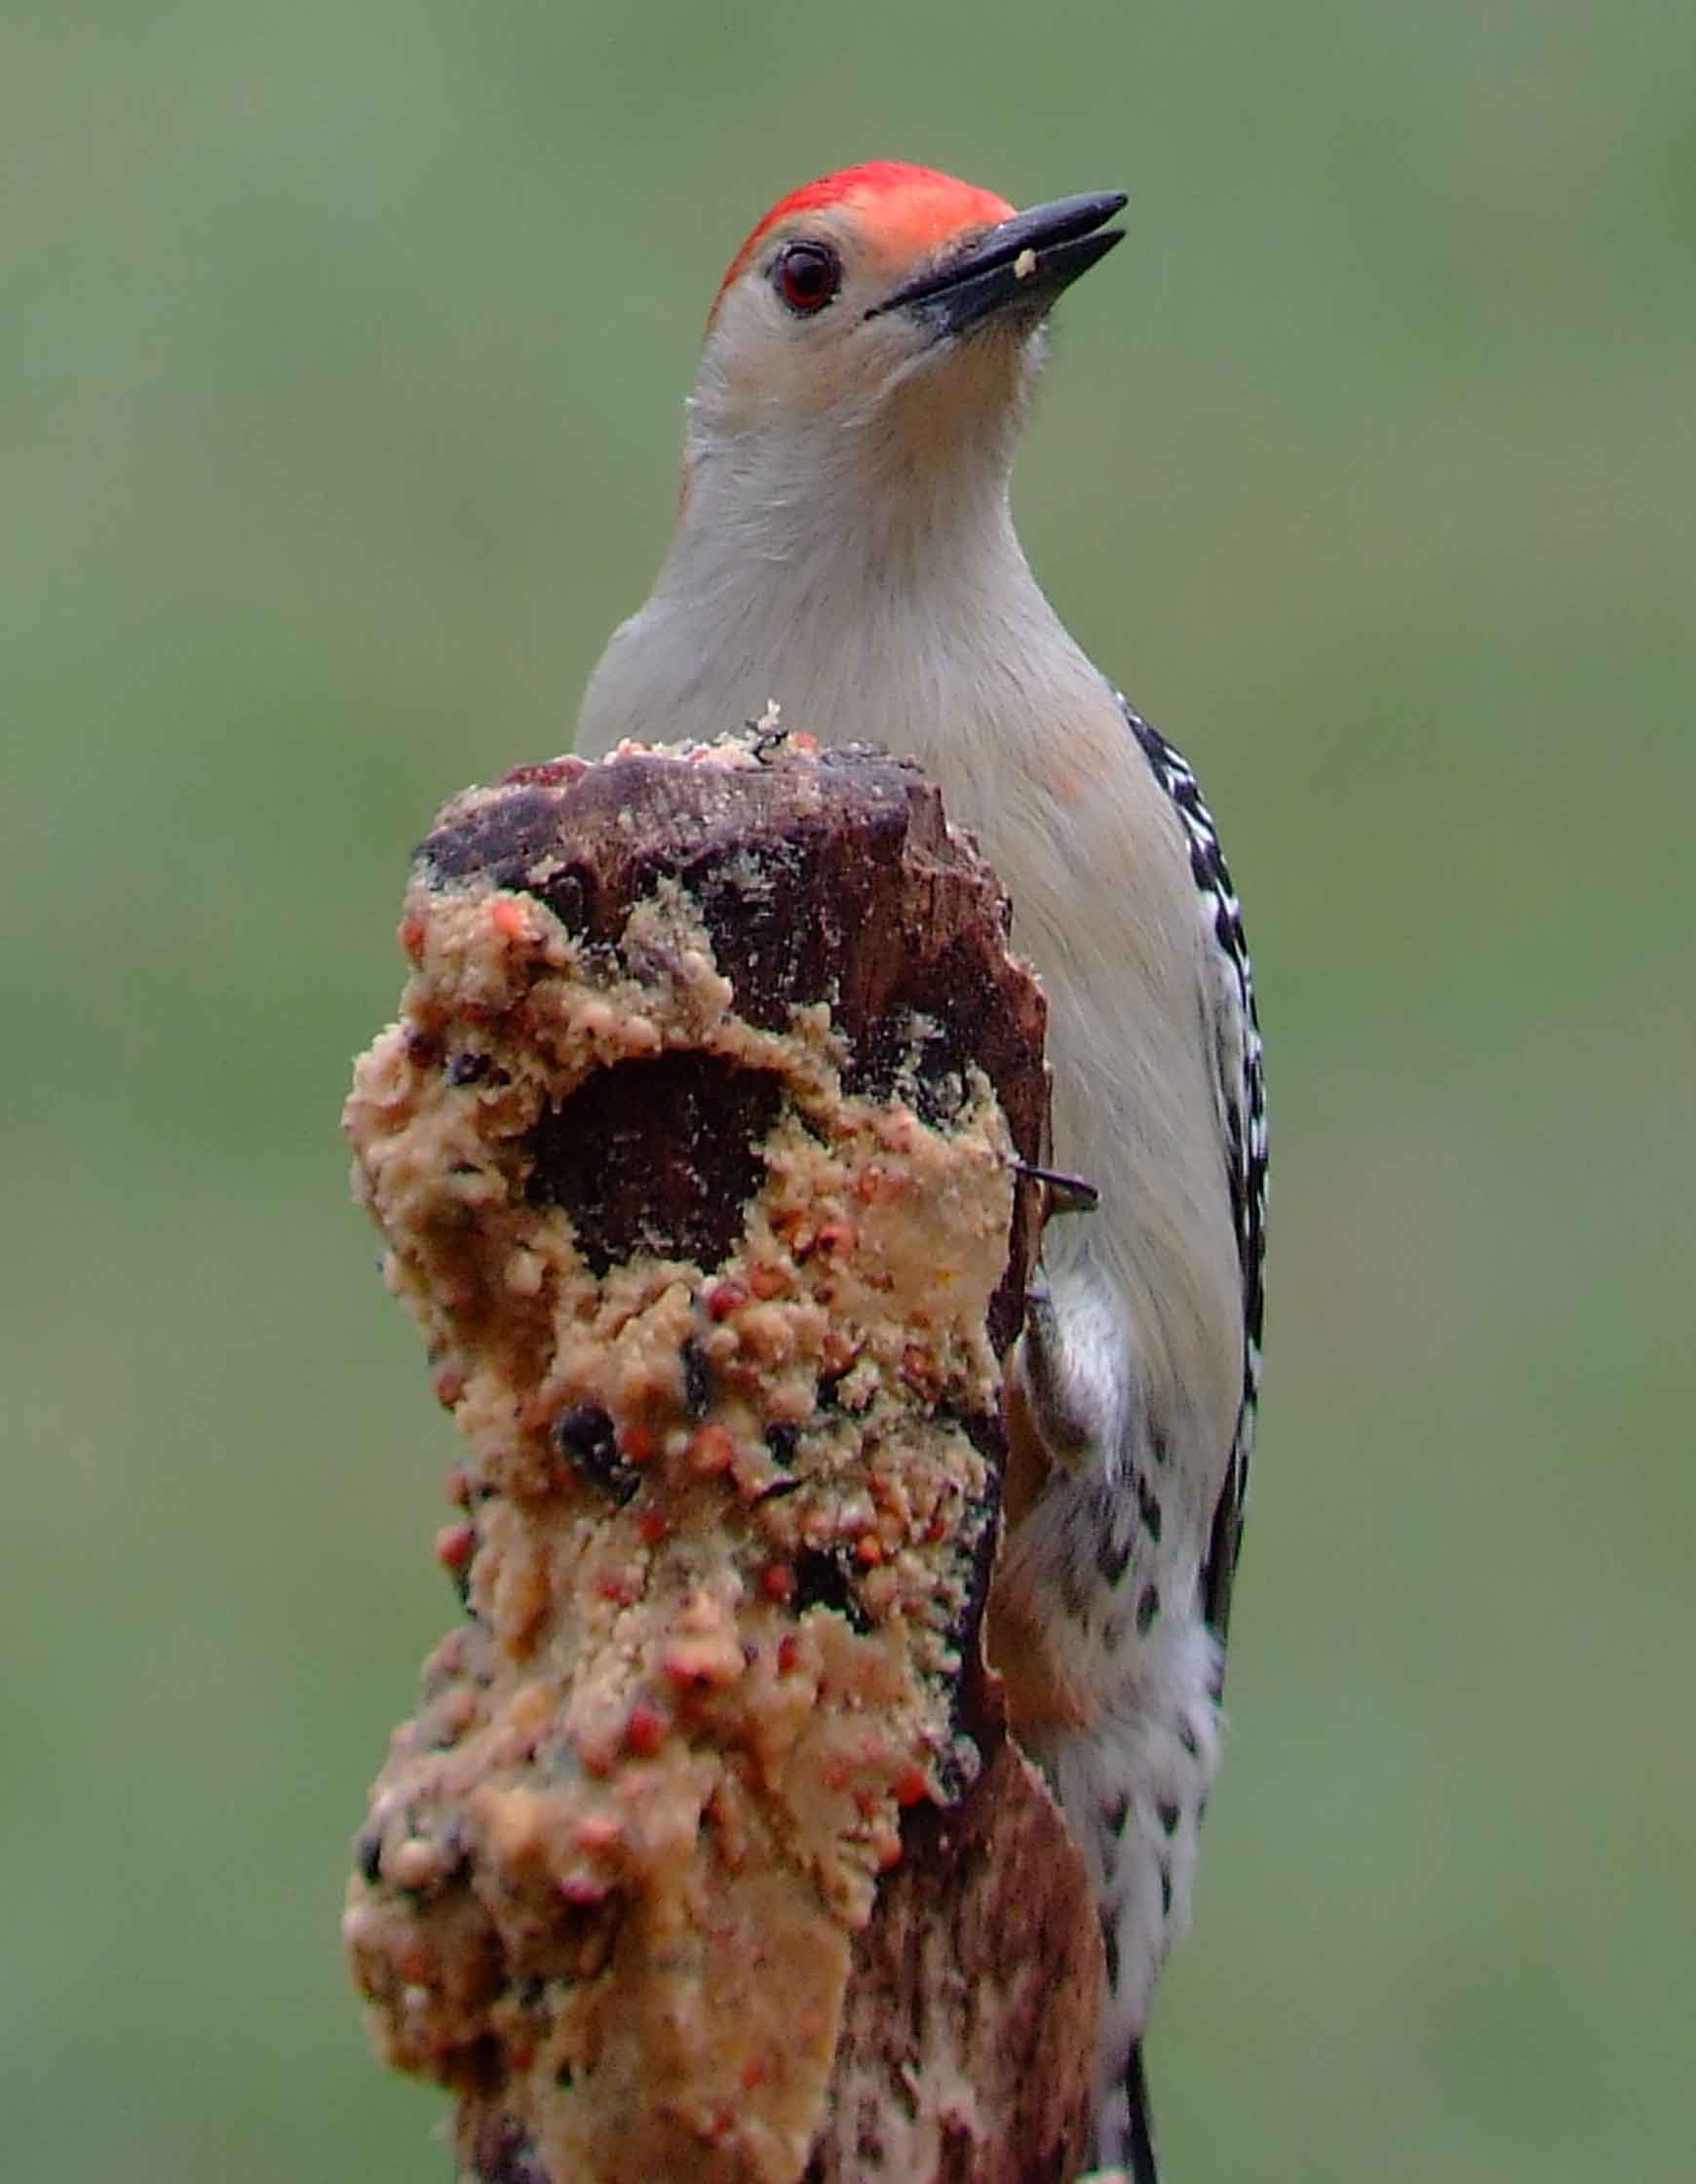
<point x="719" y="1526"/>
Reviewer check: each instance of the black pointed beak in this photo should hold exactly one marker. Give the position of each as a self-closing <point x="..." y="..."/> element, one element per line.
<point x="1021" y="265"/>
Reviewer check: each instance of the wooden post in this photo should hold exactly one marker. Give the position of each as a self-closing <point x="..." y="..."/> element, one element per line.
<point x="707" y="1854"/>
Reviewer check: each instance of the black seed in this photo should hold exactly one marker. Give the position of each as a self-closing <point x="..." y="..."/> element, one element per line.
<point x="1073" y="1597"/>
<point x="369" y="1855"/>
<point x="1111" y="1557"/>
<point x="1187" y="1736"/>
<point x="467" y="1067"/>
<point x="1168" y="1815"/>
<point x="1147" y="1608"/>
<point x="821" y="1582"/>
<point x="570" y="896"/>
<point x="697" y="1379"/>
<point x="1165" y="1893"/>
<point x="510" y="2158"/>
<point x="459" y="1855"/>
<point x="563" y="2077"/>
<point x="1110" y="1944"/>
<point x="585" y="1437"/>
<point x="1157" y="1447"/>
<point x="783" y="1442"/>
<point x="1148" y="1508"/>
<point x="1116" y="1811"/>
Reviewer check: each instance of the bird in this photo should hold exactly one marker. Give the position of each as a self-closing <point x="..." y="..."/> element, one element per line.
<point x="844" y="550"/>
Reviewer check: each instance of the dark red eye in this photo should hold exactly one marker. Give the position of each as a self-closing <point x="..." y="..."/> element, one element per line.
<point x="807" y="276"/>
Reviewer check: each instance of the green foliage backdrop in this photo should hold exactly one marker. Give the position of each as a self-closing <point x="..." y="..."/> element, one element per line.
<point x="339" y="394"/>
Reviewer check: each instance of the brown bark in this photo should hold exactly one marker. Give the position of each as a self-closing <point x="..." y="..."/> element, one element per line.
<point x="956" y="2040"/>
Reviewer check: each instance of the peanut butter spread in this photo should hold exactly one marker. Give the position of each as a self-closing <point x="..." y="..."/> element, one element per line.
<point x="715" y="1527"/>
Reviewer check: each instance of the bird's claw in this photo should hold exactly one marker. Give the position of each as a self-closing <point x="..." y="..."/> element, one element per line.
<point x="1066" y="1192"/>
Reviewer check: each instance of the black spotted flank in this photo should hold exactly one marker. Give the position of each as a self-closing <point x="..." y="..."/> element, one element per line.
<point x="1112" y="1554"/>
<point x="1115" y="1813"/>
<point x="1147" y="1608"/>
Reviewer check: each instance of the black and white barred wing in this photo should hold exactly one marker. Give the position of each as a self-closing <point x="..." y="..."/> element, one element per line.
<point x="1241" y="1090"/>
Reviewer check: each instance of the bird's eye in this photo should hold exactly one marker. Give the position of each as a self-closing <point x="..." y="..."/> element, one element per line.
<point x="807" y="276"/>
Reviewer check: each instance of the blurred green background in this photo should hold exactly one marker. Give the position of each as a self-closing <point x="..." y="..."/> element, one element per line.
<point x="339" y="396"/>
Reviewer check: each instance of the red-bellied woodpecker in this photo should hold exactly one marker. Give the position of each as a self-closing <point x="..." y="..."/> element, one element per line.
<point x="844" y="547"/>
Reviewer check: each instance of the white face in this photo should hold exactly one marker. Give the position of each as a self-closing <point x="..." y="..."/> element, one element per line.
<point x="801" y="335"/>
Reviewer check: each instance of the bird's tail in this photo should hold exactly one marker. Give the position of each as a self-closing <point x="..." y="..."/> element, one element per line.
<point x="1139" y="2163"/>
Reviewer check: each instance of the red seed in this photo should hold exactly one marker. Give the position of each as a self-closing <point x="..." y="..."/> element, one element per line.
<point x="458" y="1486"/>
<point x="581" y="1889"/>
<point x="645" y="1730"/>
<point x="726" y="1297"/>
<point x="710" y="1450"/>
<point x="455" y="1544"/>
<point x="778" y="1581"/>
<point x="637" y="1443"/>
<point x="766" y="1280"/>
<point x="789" y="1652"/>
<point x="509" y="919"/>
<point x="869" y="1548"/>
<point x="917" y="1367"/>
<point x="411" y="936"/>
<point x="835" y="1235"/>
<point x="652" y="1525"/>
<point x="546" y="774"/>
<point x="415" y="1960"/>
<point x="536" y="1413"/>
<point x="909" y="1785"/>
<point x="449" y="1383"/>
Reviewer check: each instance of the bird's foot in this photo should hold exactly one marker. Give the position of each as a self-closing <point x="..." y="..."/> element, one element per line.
<point x="1072" y="1368"/>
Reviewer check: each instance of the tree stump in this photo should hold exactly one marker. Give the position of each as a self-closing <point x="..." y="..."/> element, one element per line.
<point x="706" y="1855"/>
